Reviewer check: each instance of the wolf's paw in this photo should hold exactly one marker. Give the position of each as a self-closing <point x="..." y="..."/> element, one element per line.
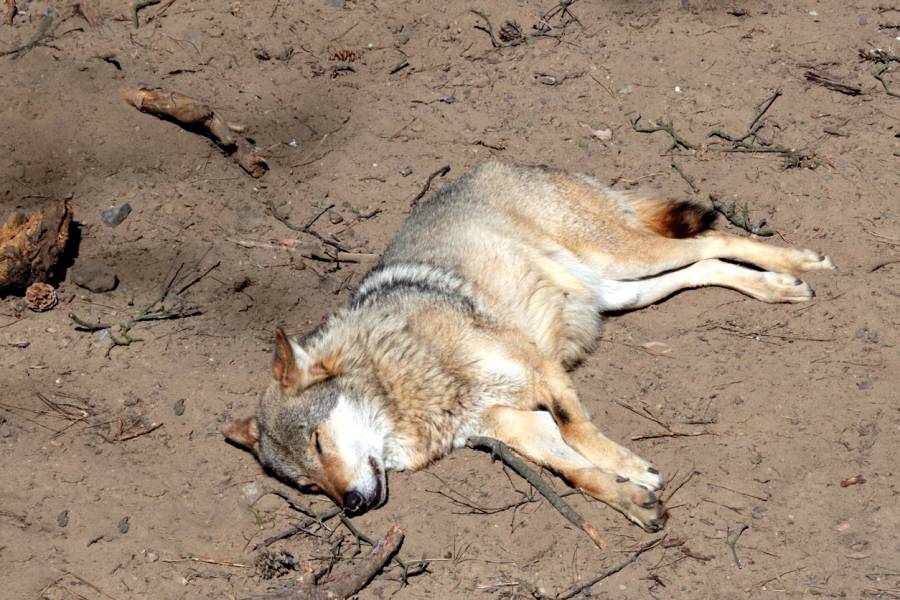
<point x="639" y="471"/>
<point x="645" y="509"/>
<point x="781" y="287"/>
<point x="809" y="260"/>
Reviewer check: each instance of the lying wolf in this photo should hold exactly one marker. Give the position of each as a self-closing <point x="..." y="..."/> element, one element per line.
<point x="490" y="291"/>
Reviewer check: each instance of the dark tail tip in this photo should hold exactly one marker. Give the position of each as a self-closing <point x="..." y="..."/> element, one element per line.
<point x="681" y="219"/>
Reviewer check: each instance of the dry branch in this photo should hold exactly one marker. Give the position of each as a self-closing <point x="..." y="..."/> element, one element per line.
<point x="832" y="84"/>
<point x="740" y="217"/>
<point x="308" y="588"/>
<point x="31" y="245"/>
<point x="439" y="173"/>
<point x="583" y="586"/>
<point x="500" y="450"/>
<point x="154" y="311"/>
<point x="193" y="114"/>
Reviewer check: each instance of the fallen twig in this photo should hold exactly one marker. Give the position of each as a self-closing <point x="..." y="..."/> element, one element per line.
<point x="40" y="37"/>
<point x="138" y="433"/>
<point x="154" y="311"/>
<point x="137" y="7"/>
<point x="671" y="434"/>
<point x="208" y="560"/>
<point x="755" y="125"/>
<point x="879" y="75"/>
<point x="309" y="251"/>
<point x="190" y="112"/>
<point x="308" y="587"/>
<point x="740" y="217"/>
<point x="439" y="173"/>
<point x="832" y="84"/>
<point x="689" y="180"/>
<point x="879" y="55"/>
<point x="732" y="541"/>
<point x="86" y="10"/>
<point x="306" y="228"/>
<point x="668" y="127"/>
<point x="500" y="450"/>
<point x="583" y="586"/>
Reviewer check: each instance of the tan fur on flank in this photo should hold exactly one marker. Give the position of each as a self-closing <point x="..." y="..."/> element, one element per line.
<point x="488" y="293"/>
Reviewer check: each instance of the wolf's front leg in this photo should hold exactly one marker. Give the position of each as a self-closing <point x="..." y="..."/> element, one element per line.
<point x="535" y="435"/>
<point x="557" y="394"/>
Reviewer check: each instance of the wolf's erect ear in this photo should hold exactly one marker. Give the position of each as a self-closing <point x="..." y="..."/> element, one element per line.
<point x="294" y="368"/>
<point x="243" y="432"/>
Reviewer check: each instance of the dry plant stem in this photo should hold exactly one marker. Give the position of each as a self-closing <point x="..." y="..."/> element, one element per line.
<point x="302" y="527"/>
<point x="137" y="7"/>
<point x="732" y="543"/>
<point x="350" y="584"/>
<point x="11" y="11"/>
<point x="671" y="434"/>
<point x="583" y="586"/>
<point x="39" y="37"/>
<point x="689" y="180"/>
<point x="832" y="84"/>
<point x="740" y="218"/>
<point x="755" y="124"/>
<point x="155" y="311"/>
<point x="191" y="112"/>
<point x="307" y="228"/>
<point x="439" y="173"/>
<point x="87" y="11"/>
<point x="879" y="75"/>
<point x="500" y="450"/>
<point x="668" y="127"/>
<point x="312" y="252"/>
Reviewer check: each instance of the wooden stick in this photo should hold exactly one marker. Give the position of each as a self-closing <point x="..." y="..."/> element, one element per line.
<point x="504" y="453"/>
<point x="582" y="586"/>
<point x="351" y="583"/>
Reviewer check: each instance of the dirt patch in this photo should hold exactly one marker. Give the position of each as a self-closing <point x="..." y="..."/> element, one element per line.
<point x="117" y="483"/>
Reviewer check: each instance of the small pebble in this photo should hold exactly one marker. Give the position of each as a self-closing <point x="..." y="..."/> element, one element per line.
<point x="179" y="407"/>
<point x="20" y="344"/>
<point x="151" y="556"/>
<point x="124" y="525"/>
<point x="115" y="215"/>
<point x="406" y="171"/>
<point x="62" y="519"/>
<point x="604" y="135"/>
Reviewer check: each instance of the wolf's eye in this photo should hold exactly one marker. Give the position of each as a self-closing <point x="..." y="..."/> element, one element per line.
<point x="318" y="445"/>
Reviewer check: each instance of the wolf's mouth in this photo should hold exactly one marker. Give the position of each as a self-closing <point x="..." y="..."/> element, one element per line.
<point x="380" y="495"/>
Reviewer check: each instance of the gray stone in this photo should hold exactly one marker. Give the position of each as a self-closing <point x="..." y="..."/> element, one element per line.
<point x="114" y="215"/>
<point x="94" y="276"/>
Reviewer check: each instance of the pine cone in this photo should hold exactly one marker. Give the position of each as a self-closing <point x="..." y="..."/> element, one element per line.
<point x="41" y="297"/>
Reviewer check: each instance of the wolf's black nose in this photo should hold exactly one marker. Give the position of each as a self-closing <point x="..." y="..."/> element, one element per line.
<point x="353" y="502"/>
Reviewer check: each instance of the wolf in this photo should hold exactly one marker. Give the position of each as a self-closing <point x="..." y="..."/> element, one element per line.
<point x="491" y="291"/>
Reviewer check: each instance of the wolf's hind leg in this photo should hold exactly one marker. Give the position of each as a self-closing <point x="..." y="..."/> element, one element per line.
<point x="535" y="435"/>
<point x="761" y="285"/>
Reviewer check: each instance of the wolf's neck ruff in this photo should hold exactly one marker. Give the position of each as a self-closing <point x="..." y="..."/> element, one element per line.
<point x="421" y="278"/>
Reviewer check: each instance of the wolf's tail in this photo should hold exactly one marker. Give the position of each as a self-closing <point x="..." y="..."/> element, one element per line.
<point x="676" y="219"/>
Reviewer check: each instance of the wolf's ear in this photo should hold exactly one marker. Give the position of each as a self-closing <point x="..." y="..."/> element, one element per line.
<point x="294" y="368"/>
<point x="243" y="432"/>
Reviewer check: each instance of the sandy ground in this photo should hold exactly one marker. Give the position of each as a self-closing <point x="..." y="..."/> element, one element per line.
<point x="354" y="104"/>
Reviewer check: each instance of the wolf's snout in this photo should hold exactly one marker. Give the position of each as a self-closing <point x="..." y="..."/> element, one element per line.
<point x="353" y="502"/>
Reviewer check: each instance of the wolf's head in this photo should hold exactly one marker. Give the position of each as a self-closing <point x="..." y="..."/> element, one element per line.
<point x="312" y="430"/>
